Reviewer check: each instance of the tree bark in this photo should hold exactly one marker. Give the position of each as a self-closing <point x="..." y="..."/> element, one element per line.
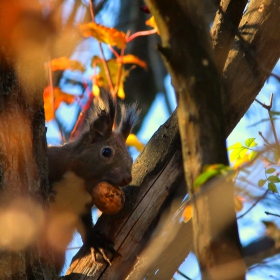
<point x="23" y="160"/>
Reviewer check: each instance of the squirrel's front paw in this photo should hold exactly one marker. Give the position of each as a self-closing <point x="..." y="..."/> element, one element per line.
<point x="99" y="243"/>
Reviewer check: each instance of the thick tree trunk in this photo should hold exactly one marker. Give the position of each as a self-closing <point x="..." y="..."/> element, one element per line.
<point x="23" y="161"/>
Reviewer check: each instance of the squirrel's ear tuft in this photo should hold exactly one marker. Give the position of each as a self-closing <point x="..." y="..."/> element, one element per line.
<point x="101" y="115"/>
<point x="130" y="116"/>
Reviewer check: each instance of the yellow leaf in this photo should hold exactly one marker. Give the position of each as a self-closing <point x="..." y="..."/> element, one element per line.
<point x="64" y="63"/>
<point x="187" y="214"/>
<point x="100" y="79"/>
<point x="132" y="59"/>
<point x="240" y="162"/>
<point x="121" y="93"/>
<point x="238" y="203"/>
<point x="132" y="140"/>
<point x="151" y="22"/>
<point x="95" y="90"/>
<point x="110" y="36"/>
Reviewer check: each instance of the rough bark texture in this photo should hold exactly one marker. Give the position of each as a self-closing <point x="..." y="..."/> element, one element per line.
<point x="198" y="90"/>
<point x="251" y="59"/>
<point x="23" y="161"/>
<point x="154" y="152"/>
<point x="224" y="29"/>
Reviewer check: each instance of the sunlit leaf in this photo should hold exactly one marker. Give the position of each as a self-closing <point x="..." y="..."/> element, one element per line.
<point x="252" y="155"/>
<point x="187" y="214"/>
<point x="238" y="153"/>
<point x="234" y="146"/>
<point x="132" y="59"/>
<point x="217" y="166"/>
<point x="250" y="142"/>
<point x="65" y="63"/>
<point x="132" y="140"/>
<point x="121" y="93"/>
<point x="110" y="36"/>
<point x="151" y="22"/>
<point x="272" y="187"/>
<point x="270" y="170"/>
<point x="238" y="203"/>
<point x="273" y="179"/>
<point x="261" y="182"/>
<point x="101" y="80"/>
<point x="240" y="162"/>
<point x="95" y="90"/>
<point x="205" y="176"/>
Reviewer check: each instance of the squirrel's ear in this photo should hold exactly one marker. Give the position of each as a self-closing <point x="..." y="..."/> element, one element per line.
<point x="102" y="115"/>
<point x="130" y="115"/>
<point x="101" y="126"/>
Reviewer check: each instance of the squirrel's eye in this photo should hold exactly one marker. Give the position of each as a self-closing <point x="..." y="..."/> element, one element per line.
<point x="107" y="152"/>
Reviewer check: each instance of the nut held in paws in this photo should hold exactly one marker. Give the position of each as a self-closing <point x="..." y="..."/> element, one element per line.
<point x="107" y="198"/>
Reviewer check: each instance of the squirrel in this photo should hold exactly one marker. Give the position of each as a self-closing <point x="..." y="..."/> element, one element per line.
<point x="75" y="168"/>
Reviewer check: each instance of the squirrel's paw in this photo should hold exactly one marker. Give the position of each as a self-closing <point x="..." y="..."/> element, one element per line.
<point x="100" y="244"/>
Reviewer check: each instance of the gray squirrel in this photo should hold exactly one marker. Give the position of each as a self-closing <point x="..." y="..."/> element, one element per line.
<point x="75" y="168"/>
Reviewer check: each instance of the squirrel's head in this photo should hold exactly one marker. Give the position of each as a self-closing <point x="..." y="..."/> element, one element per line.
<point x="100" y="153"/>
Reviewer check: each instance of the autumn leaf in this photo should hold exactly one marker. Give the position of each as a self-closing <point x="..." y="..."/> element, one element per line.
<point x="187" y="214"/>
<point x="132" y="59"/>
<point x="65" y="63"/>
<point x="133" y="141"/>
<point x="52" y="100"/>
<point x="100" y="79"/>
<point x="110" y="36"/>
<point x="151" y="22"/>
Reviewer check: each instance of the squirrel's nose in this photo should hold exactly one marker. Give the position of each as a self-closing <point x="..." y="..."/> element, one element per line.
<point x="127" y="180"/>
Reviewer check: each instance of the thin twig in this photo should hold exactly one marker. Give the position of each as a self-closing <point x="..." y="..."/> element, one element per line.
<point x="268" y="108"/>
<point x="106" y="68"/>
<point x="182" y="274"/>
<point x="255" y="203"/>
<point x="271" y="214"/>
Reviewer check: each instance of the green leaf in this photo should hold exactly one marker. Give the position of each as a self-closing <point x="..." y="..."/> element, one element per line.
<point x="272" y="187"/>
<point x="205" y="176"/>
<point x="238" y="153"/>
<point x="234" y="146"/>
<point x="273" y="179"/>
<point x="261" y="182"/>
<point x="274" y="113"/>
<point x="270" y="170"/>
<point x="252" y="155"/>
<point x="250" y="142"/>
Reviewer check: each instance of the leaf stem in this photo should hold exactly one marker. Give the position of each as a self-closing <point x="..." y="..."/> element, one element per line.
<point x="141" y="33"/>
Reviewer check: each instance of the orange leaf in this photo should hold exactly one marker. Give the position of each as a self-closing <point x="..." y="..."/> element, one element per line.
<point x="187" y="214"/>
<point x="52" y="100"/>
<point x="64" y="63"/>
<point x="110" y="36"/>
<point x="48" y="104"/>
<point x="132" y="59"/>
<point x="151" y="22"/>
